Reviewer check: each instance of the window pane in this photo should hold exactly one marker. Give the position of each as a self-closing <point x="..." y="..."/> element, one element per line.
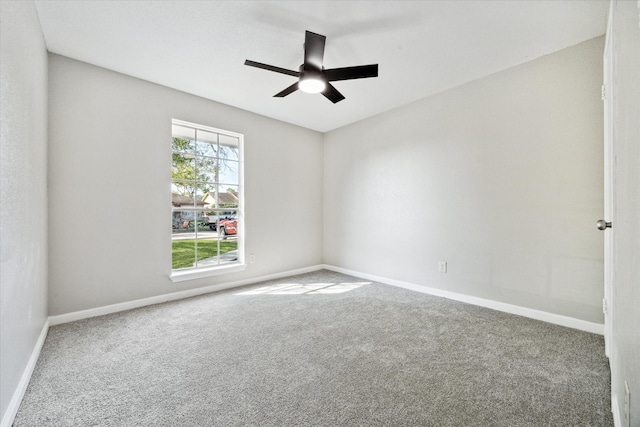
<point x="209" y="175"/>
<point x="183" y="253"/>
<point x="228" y="238"/>
<point x="182" y="221"/>
<point x="183" y="145"/>
<point x="209" y="222"/>
<point x="182" y="199"/>
<point x="209" y="200"/>
<point x="205" y="166"/>
<point x="182" y="161"/>
<point x="183" y="132"/>
<point x="183" y="247"/>
<point x="207" y="136"/>
<point x="207" y="144"/>
<point x="200" y="195"/>
<point x="229" y="147"/>
<point x="183" y="169"/>
<point x="231" y="141"/>
<point x="229" y="172"/>
<point x="228" y="196"/>
<point x="226" y="199"/>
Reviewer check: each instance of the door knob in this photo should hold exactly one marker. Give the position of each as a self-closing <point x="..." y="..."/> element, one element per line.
<point x="603" y="225"/>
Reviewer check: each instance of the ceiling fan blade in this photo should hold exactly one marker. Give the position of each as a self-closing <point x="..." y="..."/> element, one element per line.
<point x="314" y="49"/>
<point x="332" y="94"/>
<point x="350" y="73"/>
<point x="272" y="68"/>
<point x="287" y="91"/>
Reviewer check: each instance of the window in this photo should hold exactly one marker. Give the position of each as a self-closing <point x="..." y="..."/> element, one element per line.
<point x="206" y="199"/>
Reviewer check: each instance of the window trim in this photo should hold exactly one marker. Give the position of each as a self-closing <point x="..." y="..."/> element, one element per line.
<point x="192" y="273"/>
<point x="202" y="272"/>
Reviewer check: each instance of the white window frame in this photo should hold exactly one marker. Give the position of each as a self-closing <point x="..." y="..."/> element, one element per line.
<point x="240" y="265"/>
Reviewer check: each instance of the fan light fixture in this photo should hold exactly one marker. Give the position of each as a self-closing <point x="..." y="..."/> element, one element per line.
<point x="312" y="76"/>
<point x="312" y="85"/>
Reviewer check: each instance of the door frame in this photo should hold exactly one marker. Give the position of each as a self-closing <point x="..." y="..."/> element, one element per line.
<point x="608" y="93"/>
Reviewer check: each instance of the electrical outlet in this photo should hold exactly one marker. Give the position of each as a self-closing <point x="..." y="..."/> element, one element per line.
<point x="252" y="258"/>
<point x="442" y="266"/>
<point x="627" y="404"/>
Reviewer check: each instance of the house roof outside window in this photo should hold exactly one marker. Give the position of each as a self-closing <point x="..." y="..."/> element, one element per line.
<point x="224" y="199"/>
<point x="178" y="200"/>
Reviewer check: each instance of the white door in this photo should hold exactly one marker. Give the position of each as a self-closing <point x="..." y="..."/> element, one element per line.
<point x="607" y="223"/>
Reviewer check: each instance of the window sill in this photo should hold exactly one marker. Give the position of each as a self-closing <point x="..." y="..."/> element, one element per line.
<point x="181" y="276"/>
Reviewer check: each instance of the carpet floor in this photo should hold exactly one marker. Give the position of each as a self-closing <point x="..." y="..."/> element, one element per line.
<point x="319" y="349"/>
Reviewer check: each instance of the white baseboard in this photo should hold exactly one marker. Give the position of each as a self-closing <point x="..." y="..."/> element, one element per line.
<point x="557" y="319"/>
<point x="570" y="322"/>
<point x="616" y="411"/>
<point x="18" y="394"/>
<point x="114" y="308"/>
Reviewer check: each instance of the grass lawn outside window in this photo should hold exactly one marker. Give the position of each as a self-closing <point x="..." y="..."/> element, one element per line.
<point x="184" y="251"/>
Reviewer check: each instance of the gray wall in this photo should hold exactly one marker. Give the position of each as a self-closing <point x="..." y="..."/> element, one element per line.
<point x="23" y="191"/>
<point x="625" y="357"/>
<point x="109" y="187"/>
<point x="501" y="177"/>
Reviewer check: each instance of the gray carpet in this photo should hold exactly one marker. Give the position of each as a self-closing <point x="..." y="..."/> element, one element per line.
<point x="320" y="349"/>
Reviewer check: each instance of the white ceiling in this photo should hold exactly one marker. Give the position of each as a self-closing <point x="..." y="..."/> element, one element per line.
<point x="422" y="47"/>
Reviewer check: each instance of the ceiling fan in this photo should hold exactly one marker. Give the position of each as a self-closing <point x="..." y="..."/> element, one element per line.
<point x="312" y="76"/>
